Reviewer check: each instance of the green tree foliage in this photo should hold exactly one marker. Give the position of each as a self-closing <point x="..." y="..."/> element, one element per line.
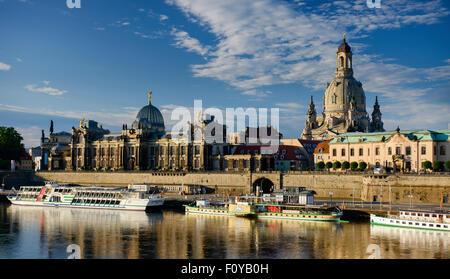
<point x="438" y="166"/>
<point x="320" y="165"/>
<point x="336" y="165"/>
<point x="427" y="165"/>
<point x="329" y="165"/>
<point x="11" y="147"/>
<point x="362" y="165"/>
<point x="345" y="165"/>
<point x="447" y="165"/>
<point x="354" y="165"/>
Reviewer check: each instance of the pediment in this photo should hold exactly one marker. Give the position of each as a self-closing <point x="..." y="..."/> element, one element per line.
<point x="398" y="138"/>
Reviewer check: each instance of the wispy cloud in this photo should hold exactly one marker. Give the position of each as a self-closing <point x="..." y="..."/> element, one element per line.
<point x="268" y="42"/>
<point x="45" y="89"/>
<point x="4" y="67"/>
<point x="183" y="40"/>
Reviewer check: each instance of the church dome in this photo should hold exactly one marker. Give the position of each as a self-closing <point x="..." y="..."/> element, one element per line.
<point x="149" y="117"/>
<point x="340" y="93"/>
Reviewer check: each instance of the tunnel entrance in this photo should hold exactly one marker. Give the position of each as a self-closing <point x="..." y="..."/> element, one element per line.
<point x="264" y="184"/>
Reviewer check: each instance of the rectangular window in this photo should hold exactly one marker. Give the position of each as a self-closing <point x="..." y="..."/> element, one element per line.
<point x="389" y="151"/>
<point x="377" y="151"/>
<point x="442" y="150"/>
<point x="424" y="150"/>
<point x="342" y="152"/>
<point x="334" y="152"/>
<point x="360" y="152"/>
<point x="352" y="152"/>
<point x="398" y="151"/>
<point x="408" y="150"/>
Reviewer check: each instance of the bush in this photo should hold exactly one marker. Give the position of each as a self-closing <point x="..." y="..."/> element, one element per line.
<point x="345" y="165"/>
<point x="427" y="165"/>
<point x="329" y="165"/>
<point x="5" y="164"/>
<point x="447" y="165"/>
<point x="438" y="166"/>
<point x="336" y="165"/>
<point x="354" y="165"/>
<point x="362" y="165"/>
<point x="321" y="165"/>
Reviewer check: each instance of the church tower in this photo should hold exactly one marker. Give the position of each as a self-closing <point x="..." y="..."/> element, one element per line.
<point x="311" y="121"/>
<point x="376" y="125"/>
<point x="344" y="102"/>
<point x="344" y="60"/>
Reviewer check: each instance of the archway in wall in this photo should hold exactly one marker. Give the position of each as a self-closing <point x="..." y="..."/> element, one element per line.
<point x="266" y="185"/>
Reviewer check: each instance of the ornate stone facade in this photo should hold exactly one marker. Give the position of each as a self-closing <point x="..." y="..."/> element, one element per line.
<point x="400" y="150"/>
<point x="344" y="104"/>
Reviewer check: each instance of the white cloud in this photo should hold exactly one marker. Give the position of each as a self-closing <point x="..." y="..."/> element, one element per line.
<point x="45" y="89"/>
<point x="4" y="67"/>
<point x="268" y="42"/>
<point x="124" y="115"/>
<point x="182" y="39"/>
<point x="31" y="135"/>
<point x="163" y="17"/>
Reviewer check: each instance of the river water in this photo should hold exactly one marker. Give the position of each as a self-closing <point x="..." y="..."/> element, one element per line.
<point x="37" y="232"/>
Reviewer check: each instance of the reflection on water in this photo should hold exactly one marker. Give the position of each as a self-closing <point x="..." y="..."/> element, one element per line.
<point x="35" y="232"/>
<point x="412" y="243"/>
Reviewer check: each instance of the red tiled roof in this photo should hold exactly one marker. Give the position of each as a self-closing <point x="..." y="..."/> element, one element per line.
<point x="284" y="152"/>
<point x="324" y="145"/>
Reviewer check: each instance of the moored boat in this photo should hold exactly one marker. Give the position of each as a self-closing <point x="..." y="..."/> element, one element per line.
<point x="254" y="207"/>
<point x="415" y="218"/>
<point x="53" y="194"/>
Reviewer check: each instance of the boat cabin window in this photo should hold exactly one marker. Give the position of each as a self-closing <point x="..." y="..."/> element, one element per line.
<point x="427" y="215"/>
<point x="434" y="215"/>
<point x="413" y="214"/>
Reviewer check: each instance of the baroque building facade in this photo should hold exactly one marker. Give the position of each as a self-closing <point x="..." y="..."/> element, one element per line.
<point x="344" y="104"/>
<point x="400" y="150"/>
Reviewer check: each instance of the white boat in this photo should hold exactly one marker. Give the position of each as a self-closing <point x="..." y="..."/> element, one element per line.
<point x="97" y="197"/>
<point x="418" y="219"/>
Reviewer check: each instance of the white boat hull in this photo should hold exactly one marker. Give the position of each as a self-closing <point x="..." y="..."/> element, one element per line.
<point x="131" y="204"/>
<point x="396" y="222"/>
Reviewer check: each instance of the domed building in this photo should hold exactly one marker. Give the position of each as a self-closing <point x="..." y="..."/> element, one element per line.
<point x="344" y="104"/>
<point x="134" y="148"/>
<point x="150" y="120"/>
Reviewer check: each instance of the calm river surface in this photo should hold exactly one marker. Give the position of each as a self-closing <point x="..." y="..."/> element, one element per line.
<point x="35" y="232"/>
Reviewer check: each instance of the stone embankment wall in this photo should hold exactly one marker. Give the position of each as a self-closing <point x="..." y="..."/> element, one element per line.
<point x="424" y="189"/>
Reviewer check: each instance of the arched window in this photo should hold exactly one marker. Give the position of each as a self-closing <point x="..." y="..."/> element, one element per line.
<point x="341" y="62"/>
<point x="333" y="98"/>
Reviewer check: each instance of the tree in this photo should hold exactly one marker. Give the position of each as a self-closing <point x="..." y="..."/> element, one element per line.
<point x="427" y="165"/>
<point x="438" y="166"/>
<point x="329" y="165"/>
<point x="320" y="165"/>
<point x="354" y="165"/>
<point x="447" y="165"/>
<point x="11" y="147"/>
<point x="336" y="165"/>
<point x="362" y="165"/>
<point x="345" y="165"/>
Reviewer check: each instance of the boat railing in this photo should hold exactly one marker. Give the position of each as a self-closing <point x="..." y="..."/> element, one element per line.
<point x="396" y="217"/>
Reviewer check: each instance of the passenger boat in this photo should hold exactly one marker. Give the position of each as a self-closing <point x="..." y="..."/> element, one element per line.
<point x="258" y="208"/>
<point x="134" y="197"/>
<point x="418" y="219"/>
<point x="204" y="207"/>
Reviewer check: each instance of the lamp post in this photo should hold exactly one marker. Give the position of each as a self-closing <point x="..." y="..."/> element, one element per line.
<point x="381" y="195"/>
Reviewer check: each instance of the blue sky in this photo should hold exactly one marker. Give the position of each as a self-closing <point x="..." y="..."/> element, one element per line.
<point x="99" y="61"/>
